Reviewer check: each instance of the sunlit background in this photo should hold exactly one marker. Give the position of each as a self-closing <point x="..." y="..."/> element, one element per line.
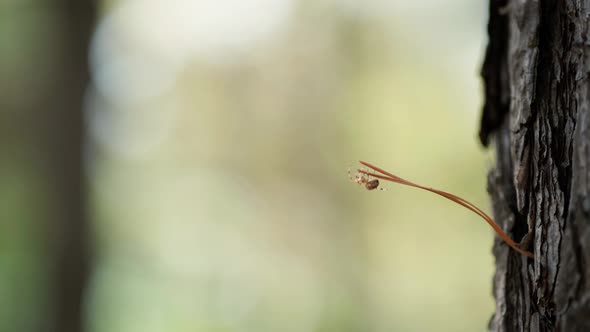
<point x="219" y="134"/>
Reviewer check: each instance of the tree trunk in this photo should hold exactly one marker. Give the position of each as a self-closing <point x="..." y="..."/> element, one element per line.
<point x="62" y="135"/>
<point x="537" y="110"/>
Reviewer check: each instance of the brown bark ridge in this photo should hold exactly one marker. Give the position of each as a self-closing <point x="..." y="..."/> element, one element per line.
<point x="537" y="109"/>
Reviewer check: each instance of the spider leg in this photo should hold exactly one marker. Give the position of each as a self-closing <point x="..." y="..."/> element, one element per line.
<point x="358" y="178"/>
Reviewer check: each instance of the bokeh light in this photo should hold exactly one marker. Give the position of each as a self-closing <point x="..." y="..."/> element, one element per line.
<point x="219" y="138"/>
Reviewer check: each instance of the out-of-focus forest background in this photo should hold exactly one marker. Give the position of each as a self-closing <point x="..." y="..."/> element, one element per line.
<point x="216" y="145"/>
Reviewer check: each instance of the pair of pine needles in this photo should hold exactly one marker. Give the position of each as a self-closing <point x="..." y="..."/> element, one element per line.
<point x="369" y="179"/>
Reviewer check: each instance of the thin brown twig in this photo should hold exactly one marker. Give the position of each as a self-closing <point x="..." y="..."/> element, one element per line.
<point x="459" y="200"/>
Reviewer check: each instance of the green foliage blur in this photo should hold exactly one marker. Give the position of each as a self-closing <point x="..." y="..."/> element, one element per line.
<point x="219" y="138"/>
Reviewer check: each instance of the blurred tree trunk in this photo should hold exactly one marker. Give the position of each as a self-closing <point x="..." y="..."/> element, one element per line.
<point x="60" y="122"/>
<point x="537" y="107"/>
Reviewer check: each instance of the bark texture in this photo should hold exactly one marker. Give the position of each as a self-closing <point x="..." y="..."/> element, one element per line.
<point x="537" y="110"/>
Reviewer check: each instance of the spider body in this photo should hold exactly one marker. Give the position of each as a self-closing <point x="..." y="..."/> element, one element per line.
<point x="372" y="184"/>
<point x="365" y="180"/>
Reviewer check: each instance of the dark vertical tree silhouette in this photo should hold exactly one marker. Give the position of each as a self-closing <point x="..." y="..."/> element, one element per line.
<point x="537" y="111"/>
<point x="61" y="138"/>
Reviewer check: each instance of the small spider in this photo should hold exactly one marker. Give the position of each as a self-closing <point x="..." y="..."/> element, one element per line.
<point x="365" y="180"/>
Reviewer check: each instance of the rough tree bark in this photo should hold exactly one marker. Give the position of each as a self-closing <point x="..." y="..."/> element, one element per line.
<point x="537" y="94"/>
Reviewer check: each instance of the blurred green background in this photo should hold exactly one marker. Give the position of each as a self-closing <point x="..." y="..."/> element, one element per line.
<point x="218" y="138"/>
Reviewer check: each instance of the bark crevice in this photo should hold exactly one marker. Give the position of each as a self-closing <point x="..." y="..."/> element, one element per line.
<point x="540" y="186"/>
